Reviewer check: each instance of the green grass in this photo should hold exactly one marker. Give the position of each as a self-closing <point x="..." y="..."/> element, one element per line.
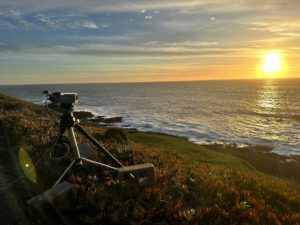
<point x="189" y="151"/>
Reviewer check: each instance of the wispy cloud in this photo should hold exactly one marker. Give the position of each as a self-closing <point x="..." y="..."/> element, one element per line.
<point x="90" y="25"/>
<point x="103" y="6"/>
<point x="166" y="32"/>
<point x="6" y="24"/>
<point x="10" y="18"/>
<point x="142" y="52"/>
<point x="65" y="21"/>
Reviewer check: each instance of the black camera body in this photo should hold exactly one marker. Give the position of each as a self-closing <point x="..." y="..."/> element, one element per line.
<point x="64" y="98"/>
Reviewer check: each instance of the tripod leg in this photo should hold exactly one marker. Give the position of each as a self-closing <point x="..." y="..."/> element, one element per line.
<point x="98" y="164"/>
<point x="65" y="172"/>
<point x="97" y="144"/>
<point x="75" y="149"/>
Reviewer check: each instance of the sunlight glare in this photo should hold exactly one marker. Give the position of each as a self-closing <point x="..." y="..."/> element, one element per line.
<point x="272" y="63"/>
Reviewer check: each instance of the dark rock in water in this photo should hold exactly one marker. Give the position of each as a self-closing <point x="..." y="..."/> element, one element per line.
<point x="97" y="119"/>
<point x="101" y="119"/>
<point x="116" y="119"/>
<point x="83" y="114"/>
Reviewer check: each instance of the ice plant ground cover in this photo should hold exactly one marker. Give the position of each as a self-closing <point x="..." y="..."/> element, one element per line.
<point x="194" y="184"/>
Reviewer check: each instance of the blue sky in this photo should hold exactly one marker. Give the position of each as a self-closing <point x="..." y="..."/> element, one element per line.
<point x="61" y="41"/>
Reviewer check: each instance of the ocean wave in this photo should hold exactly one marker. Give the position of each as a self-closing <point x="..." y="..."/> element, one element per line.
<point x="286" y="150"/>
<point x="209" y="115"/>
<point x="278" y="117"/>
<point x="266" y="115"/>
<point x="198" y="134"/>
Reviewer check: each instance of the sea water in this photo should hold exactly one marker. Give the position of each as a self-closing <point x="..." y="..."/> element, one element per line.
<point x="251" y="112"/>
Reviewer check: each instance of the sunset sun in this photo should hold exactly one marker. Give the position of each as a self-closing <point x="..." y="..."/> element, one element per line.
<point x="272" y="63"/>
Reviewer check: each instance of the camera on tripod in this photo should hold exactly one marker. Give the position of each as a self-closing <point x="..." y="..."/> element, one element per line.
<point x="142" y="174"/>
<point x="62" y="97"/>
<point x="46" y="207"/>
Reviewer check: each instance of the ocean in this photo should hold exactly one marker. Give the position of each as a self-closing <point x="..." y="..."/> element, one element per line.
<point x="244" y="112"/>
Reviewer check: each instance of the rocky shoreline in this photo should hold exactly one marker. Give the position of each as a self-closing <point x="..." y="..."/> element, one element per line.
<point x="89" y="116"/>
<point x="260" y="157"/>
<point x="263" y="159"/>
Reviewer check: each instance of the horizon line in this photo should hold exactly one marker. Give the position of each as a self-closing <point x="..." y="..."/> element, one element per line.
<point x="147" y="82"/>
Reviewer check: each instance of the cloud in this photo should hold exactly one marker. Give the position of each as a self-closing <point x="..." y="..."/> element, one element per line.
<point x="10" y="18"/>
<point x="113" y="39"/>
<point x="166" y="52"/>
<point x="96" y="6"/>
<point x="291" y="34"/>
<point x="193" y="44"/>
<point x="288" y="28"/>
<point x="66" y="21"/>
<point x="183" y="44"/>
<point x="105" y="25"/>
<point x="47" y="21"/>
<point x="90" y="25"/>
<point x="179" y="27"/>
<point x="6" y="25"/>
<point x="267" y="42"/>
<point x="14" y="13"/>
<point x="143" y="50"/>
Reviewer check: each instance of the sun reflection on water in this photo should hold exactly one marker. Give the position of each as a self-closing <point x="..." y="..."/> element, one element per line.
<point x="268" y="98"/>
<point x="269" y="121"/>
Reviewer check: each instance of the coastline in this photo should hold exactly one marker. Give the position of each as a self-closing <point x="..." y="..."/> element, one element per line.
<point x="263" y="160"/>
<point x="206" y="137"/>
<point x="260" y="157"/>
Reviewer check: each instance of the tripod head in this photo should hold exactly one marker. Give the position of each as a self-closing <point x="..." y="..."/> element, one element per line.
<point x="63" y="100"/>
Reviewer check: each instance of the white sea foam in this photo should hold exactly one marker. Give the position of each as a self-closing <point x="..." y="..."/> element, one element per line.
<point x="240" y="112"/>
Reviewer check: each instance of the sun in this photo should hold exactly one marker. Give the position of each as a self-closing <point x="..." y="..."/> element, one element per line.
<point x="272" y="63"/>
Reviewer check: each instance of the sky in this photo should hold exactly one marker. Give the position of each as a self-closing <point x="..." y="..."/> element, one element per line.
<point x="100" y="41"/>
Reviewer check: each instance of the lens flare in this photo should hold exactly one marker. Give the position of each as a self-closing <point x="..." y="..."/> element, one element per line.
<point x="27" y="165"/>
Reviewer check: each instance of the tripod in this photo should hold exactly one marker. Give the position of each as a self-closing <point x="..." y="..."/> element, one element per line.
<point x="144" y="174"/>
